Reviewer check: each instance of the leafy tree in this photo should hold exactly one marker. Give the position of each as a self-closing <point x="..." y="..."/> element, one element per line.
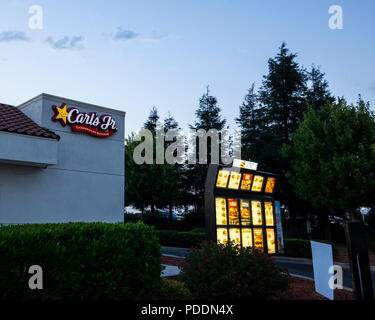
<point x="136" y="177"/>
<point x="332" y="157"/>
<point x="153" y="185"/>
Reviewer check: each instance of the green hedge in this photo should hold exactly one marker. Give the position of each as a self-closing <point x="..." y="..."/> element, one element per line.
<point x="172" y="238"/>
<point x="80" y="261"/>
<point x="173" y="290"/>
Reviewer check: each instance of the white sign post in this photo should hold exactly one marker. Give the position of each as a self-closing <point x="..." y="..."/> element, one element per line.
<point x="322" y="264"/>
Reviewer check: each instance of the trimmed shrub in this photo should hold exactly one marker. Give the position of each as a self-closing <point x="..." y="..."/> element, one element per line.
<point x="228" y="272"/>
<point x="179" y="239"/>
<point x="80" y="261"/>
<point x="173" y="290"/>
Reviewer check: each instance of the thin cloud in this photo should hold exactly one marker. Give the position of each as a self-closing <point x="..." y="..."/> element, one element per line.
<point x="66" y="43"/>
<point x="155" y="37"/>
<point x="128" y="35"/>
<point x="124" y="34"/>
<point x="9" y="36"/>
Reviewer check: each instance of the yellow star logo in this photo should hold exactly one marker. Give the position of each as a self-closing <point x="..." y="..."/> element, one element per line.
<point x="63" y="114"/>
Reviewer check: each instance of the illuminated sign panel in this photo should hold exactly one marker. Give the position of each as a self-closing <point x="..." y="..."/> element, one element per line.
<point x="270" y="185"/>
<point x="271" y="240"/>
<point x="221" y="211"/>
<point x="239" y="208"/>
<point x="90" y="123"/>
<point x="258" y="238"/>
<point x="268" y="210"/>
<point x="247" y="239"/>
<point x="234" y="181"/>
<point x="233" y="212"/>
<point x="257" y="184"/>
<point x="256" y="209"/>
<point x="245" y="213"/>
<point x="245" y="164"/>
<point x="234" y="235"/>
<point x="222" y="235"/>
<point x="246" y="181"/>
<point x="222" y="178"/>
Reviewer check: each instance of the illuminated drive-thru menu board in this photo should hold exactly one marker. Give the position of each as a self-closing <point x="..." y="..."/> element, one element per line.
<point x="239" y="207"/>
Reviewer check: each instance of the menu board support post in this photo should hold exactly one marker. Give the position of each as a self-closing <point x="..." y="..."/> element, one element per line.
<point x="359" y="261"/>
<point x="209" y="203"/>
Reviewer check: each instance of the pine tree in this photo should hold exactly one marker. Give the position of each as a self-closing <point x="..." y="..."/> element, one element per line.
<point x="170" y="123"/>
<point x="174" y="172"/>
<point x="208" y="113"/>
<point x="250" y="121"/>
<point x="318" y="94"/>
<point x="282" y="96"/>
<point x="152" y="120"/>
<point x="208" y="116"/>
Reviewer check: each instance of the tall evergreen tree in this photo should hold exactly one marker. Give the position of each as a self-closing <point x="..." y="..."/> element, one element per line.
<point x="175" y="190"/>
<point x="318" y="94"/>
<point x="152" y="120"/>
<point x="208" y="116"/>
<point x="250" y="121"/>
<point x="282" y="103"/>
<point x="282" y="97"/>
<point x="170" y="123"/>
<point x="208" y="113"/>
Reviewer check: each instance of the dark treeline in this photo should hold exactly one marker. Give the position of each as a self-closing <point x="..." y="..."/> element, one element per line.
<point x="268" y="118"/>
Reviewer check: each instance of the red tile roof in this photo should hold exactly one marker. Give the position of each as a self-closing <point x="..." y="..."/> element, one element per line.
<point x="15" y="121"/>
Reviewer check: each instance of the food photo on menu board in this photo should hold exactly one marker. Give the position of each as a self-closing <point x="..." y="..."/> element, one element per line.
<point x="270" y="185"/>
<point x="233" y="212"/>
<point x="247" y="239"/>
<point x="256" y="209"/>
<point x="234" y="181"/>
<point x="222" y="236"/>
<point x="234" y="235"/>
<point x="222" y="178"/>
<point x="221" y="211"/>
<point x="271" y="240"/>
<point x="258" y="238"/>
<point x="245" y="212"/>
<point x="268" y="209"/>
<point x="246" y="181"/>
<point x="257" y="184"/>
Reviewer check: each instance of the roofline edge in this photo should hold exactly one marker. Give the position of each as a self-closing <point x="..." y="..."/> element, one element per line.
<point x="70" y="101"/>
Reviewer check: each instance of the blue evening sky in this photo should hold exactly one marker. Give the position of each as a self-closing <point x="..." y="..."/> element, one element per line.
<point x="131" y="55"/>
